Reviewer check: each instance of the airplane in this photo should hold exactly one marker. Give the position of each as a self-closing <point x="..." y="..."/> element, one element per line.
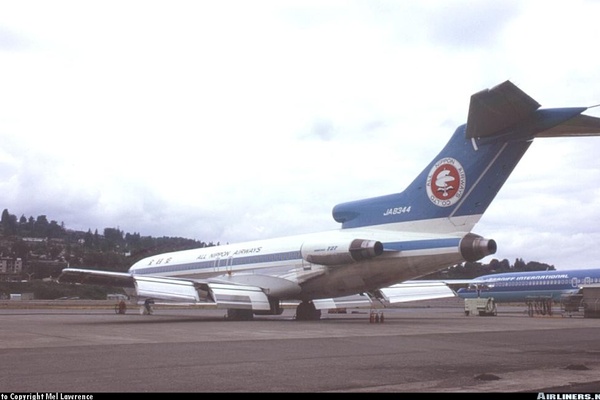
<point x="383" y="241"/>
<point x="521" y="287"/>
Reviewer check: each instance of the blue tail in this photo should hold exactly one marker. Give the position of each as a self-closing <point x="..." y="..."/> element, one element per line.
<point x="454" y="190"/>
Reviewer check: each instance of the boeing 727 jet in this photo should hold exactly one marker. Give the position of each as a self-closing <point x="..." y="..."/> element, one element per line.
<point x="382" y="241"/>
<point x="520" y="287"/>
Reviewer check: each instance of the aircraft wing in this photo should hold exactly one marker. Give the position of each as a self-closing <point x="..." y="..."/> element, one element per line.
<point x="95" y="277"/>
<point x="399" y="293"/>
<point x="224" y="295"/>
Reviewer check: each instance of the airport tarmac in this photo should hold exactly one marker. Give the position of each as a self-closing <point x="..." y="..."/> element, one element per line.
<point x="425" y="348"/>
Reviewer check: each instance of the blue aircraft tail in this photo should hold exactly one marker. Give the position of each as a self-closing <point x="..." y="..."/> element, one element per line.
<point x="454" y="190"/>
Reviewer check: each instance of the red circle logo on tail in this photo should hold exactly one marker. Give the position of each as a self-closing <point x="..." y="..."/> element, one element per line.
<point x="446" y="182"/>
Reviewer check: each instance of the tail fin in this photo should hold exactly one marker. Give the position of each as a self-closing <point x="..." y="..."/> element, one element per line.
<point x="454" y="190"/>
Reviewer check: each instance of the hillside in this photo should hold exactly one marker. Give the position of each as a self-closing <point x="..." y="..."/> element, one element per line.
<point x="46" y="247"/>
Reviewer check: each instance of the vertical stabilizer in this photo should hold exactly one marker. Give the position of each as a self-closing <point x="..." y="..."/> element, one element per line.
<point x="457" y="186"/>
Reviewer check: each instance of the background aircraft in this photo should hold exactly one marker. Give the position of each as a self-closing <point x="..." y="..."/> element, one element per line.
<point x="383" y="241"/>
<point x="520" y="287"/>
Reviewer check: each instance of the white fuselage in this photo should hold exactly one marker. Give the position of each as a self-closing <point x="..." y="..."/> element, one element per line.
<point x="281" y="264"/>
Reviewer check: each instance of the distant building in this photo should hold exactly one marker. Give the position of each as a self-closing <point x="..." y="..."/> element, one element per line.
<point x="22" y="296"/>
<point x="34" y="240"/>
<point x="10" y="268"/>
<point x="116" y="296"/>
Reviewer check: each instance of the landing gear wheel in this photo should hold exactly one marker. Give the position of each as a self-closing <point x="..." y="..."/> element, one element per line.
<point x="236" y="314"/>
<point x="120" y="307"/>
<point x="306" y="311"/>
<point x="147" y="309"/>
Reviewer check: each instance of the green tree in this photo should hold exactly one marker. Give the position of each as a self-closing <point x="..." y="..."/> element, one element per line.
<point x="41" y="226"/>
<point x="55" y="231"/>
<point x="113" y="238"/>
<point x="520" y="265"/>
<point x="8" y="223"/>
<point x="88" y="240"/>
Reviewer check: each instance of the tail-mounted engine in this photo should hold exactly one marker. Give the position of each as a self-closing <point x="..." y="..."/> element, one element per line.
<point x="474" y="247"/>
<point x="342" y="252"/>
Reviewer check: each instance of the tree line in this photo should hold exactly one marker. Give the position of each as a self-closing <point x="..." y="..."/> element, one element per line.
<point x="44" y="244"/>
<point x="470" y="270"/>
<point x="116" y="250"/>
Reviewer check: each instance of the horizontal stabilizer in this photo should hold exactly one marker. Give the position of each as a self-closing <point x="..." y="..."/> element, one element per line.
<point x="580" y="125"/>
<point x="415" y="291"/>
<point x="495" y="109"/>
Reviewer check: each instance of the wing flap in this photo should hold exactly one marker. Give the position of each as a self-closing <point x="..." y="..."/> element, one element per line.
<point x="239" y="296"/>
<point x="415" y="291"/>
<point x="399" y="293"/>
<point x="166" y="289"/>
<point x="355" y="301"/>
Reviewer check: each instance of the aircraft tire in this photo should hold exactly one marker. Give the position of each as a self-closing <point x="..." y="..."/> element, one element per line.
<point x="236" y="314"/>
<point x="306" y="311"/>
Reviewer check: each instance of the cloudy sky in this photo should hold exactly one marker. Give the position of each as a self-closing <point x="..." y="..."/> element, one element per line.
<point x="228" y="121"/>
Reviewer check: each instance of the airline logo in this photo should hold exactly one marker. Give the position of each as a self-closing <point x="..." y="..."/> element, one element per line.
<point x="446" y="182"/>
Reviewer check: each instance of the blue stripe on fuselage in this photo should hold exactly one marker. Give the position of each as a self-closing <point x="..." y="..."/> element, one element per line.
<point x="219" y="263"/>
<point x="285" y="257"/>
<point x="422" y="244"/>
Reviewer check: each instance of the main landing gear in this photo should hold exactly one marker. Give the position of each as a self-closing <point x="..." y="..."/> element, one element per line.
<point x="236" y="314"/>
<point x="306" y="311"/>
<point x="120" y="307"/>
<point x="147" y="309"/>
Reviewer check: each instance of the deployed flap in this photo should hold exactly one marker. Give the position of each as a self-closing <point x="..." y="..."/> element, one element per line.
<point x="492" y="110"/>
<point x="166" y="289"/>
<point x="174" y="289"/>
<point x="416" y="290"/>
<point x="239" y="296"/>
<point x="402" y="292"/>
<point x="356" y="300"/>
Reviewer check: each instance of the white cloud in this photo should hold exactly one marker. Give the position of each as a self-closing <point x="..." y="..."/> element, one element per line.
<point x="229" y="121"/>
